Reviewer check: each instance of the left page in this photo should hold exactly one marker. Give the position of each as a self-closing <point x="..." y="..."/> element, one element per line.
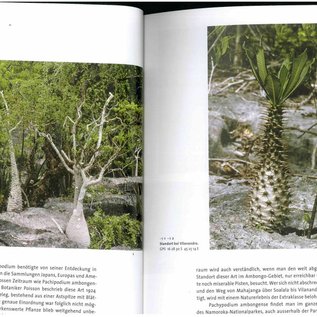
<point x="71" y="166"/>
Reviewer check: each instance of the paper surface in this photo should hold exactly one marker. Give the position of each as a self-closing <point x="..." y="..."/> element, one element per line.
<point x="75" y="33"/>
<point x="176" y="154"/>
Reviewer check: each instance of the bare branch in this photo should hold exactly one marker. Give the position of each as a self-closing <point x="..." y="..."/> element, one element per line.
<point x="12" y="129"/>
<point x="116" y="118"/>
<point x="5" y="102"/>
<point x="137" y="158"/>
<point x="231" y="160"/>
<point x="303" y="131"/>
<point x="58" y="226"/>
<point x="91" y="161"/>
<point x="89" y="124"/>
<point x="59" y="154"/>
<point x="212" y="70"/>
<point x="243" y="86"/>
<point x="74" y="129"/>
<point x="8" y="112"/>
<point x="241" y="81"/>
<point x="88" y="138"/>
<point x="217" y="39"/>
<point x="26" y="197"/>
<point x="103" y="120"/>
<point x="104" y="169"/>
<point x="310" y="96"/>
<point x="67" y="157"/>
<point x="306" y="176"/>
<point x="69" y="119"/>
<point x="100" y="125"/>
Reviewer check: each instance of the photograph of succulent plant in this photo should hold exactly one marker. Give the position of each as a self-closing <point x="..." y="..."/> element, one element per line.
<point x="71" y="155"/>
<point x="262" y="136"/>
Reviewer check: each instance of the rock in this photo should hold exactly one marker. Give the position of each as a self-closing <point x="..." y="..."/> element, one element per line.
<point x="42" y="226"/>
<point x="300" y="145"/>
<point x="233" y="112"/>
<point x="39" y="219"/>
<point x="59" y="204"/>
<point x="35" y="227"/>
<point x="15" y="235"/>
<point x="46" y="227"/>
<point x="123" y="201"/>
<point x="113" y="204"/>
<point x="225" y="115"/>
<point x="303" y="195"/>
<point x="125" y="184"/>
<point x="229" y="221"/>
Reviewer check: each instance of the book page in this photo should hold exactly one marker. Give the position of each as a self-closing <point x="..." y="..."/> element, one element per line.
<point x="71" y="161"/>
<point x="218" y="238"/>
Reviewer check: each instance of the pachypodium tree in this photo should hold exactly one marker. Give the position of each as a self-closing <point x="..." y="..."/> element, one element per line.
<point x="15" y="202"/>
<point x="89" y="158"/>
<point x="20" y="86"/>
<point x="270" y="197"/>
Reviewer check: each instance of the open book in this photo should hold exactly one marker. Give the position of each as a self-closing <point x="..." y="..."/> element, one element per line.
<point x="197" y="199"/>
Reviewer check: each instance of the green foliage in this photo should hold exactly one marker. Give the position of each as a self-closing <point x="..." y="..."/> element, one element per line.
<point x="306" y="218"/>
<point x="130" y="117"/>
<point x="280" y="41"/>
<point x="280" y="86"/>
<point x="111" y="231"/>
<point x="218" y="44"/>
<point x="43" y="94"/>
<point x="293" y="39"/>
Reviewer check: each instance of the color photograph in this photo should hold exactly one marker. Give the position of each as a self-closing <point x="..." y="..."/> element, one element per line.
<point x="262" y="136"/>
<point x="71" y="155"/>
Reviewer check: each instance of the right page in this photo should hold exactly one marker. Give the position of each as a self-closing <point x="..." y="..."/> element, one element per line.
<point x="230" y="172"/>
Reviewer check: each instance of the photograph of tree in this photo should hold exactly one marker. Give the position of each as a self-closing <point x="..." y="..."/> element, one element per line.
<point x="71" y="155"/>
<point x="262" y="136"/>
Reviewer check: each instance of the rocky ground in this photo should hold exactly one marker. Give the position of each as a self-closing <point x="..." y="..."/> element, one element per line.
<point x="229" y="190"/>
<point x="45" y="227"/>
<point x="229" y="219"/>
<point x="36" y="227"/>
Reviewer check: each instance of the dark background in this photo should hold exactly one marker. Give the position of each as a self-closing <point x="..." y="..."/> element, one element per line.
<point x="157" y="6"/>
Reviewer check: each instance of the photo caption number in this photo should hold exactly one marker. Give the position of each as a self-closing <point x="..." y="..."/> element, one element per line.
<point x="169" y="243"/>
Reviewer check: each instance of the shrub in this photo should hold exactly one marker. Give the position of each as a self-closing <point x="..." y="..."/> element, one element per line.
<point x="111" y="231"/>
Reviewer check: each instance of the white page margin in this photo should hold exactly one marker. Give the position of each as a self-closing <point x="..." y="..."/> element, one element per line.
<point x="176" y="148"/>
<point x="71" y="33"/>
<point x="79" y="33"/>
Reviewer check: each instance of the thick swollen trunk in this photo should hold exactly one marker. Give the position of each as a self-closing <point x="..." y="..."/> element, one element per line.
<point x="77" y="229"/>
<point x="270" y="196"/>
<point x="15" y="202"/>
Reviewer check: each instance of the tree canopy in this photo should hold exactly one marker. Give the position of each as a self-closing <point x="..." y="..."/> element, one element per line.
<point x="279" y="41"/>
<point x="44" y="96"/>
